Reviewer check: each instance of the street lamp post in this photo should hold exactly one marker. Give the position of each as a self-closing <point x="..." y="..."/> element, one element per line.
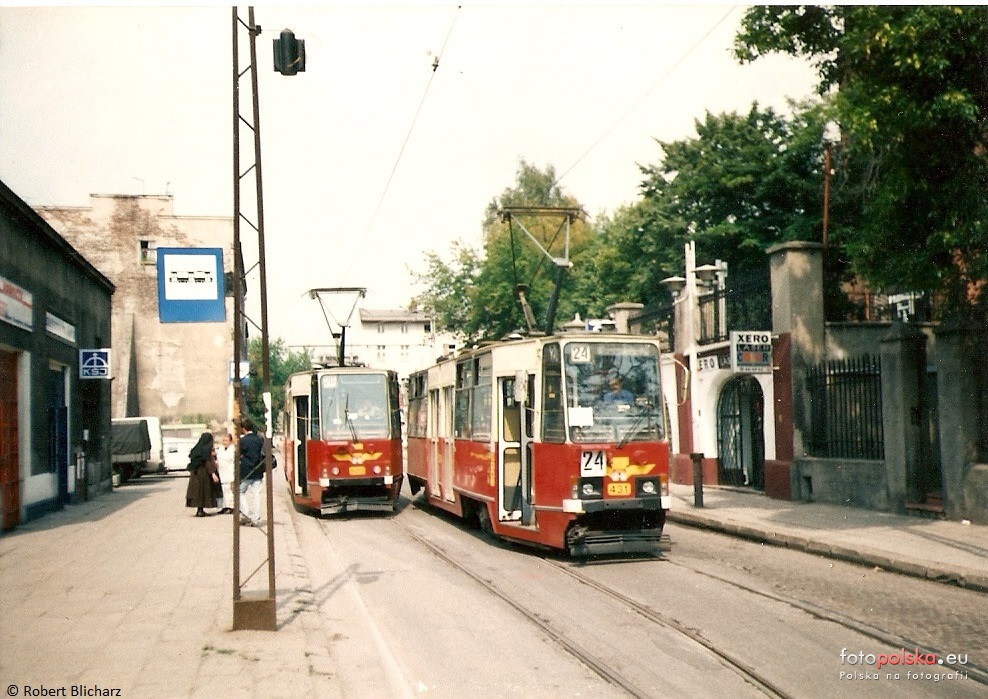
<point x="831" y="135"/>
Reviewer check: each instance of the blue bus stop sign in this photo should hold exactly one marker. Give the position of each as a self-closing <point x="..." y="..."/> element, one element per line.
<point x="190" y="285"/>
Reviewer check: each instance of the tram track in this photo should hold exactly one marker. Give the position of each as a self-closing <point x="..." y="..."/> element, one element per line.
<point x="975" y="672"/>
<point x="748" y="673"/>
<point x="591" y="660"/>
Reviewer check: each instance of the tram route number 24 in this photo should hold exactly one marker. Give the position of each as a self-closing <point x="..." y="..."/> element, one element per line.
<point x="593" y="463"/>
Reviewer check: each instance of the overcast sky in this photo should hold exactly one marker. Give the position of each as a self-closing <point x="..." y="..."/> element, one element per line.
<point x="370" y="157"/>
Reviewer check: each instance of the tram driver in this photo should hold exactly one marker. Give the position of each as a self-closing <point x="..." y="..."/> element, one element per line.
<point x="617" y="394"/>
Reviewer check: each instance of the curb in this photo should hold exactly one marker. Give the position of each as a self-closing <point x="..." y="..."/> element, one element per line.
<point x="968" y="579"/>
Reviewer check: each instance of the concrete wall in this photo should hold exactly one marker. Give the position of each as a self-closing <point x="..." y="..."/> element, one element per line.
<point x="850" y="482"/>
<point x="176" y="371"/>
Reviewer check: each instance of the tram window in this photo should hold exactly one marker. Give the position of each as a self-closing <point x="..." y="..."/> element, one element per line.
<point x="480" y="420"/>
<point x="529" y="410"/>
<point x="480" y="399"/>
<point x="461" y="424"/>
<point x="314" y="408"/>
<point x="591" y="368"/>
<point x="553" y="427"/>
<point x="464" y="375"/>
<point x="394" y="401"/>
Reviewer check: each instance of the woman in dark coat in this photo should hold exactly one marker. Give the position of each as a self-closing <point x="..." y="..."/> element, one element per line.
<point x="203" y="476"/>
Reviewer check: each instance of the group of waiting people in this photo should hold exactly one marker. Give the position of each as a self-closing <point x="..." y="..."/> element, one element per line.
<point x="211" y="474"/>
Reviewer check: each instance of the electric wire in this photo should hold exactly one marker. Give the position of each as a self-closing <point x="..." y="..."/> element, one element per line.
<point x="647" y="94"/>
<point x="401" y="151"/>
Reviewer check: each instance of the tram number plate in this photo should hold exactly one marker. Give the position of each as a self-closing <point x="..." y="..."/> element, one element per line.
<point x="593" y="463"/>
<point x="620" y="490"/>
<point x="358" y="470"/>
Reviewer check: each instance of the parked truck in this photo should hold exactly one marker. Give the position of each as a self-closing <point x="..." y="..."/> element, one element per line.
<point x="130" y="447"/>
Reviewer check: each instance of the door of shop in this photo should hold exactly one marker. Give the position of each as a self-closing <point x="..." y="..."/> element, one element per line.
<point x="740" y="434"/>
<point x="10" y="494"/>
<point x="58" y="430"/>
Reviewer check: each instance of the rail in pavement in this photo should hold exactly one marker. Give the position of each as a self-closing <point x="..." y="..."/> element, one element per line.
<point x="940" y="550"/>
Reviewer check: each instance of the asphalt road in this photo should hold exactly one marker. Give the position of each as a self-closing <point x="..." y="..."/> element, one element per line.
<point x="421" y="605"/>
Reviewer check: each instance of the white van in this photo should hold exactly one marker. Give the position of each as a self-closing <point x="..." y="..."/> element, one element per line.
<point x="178" y="440"/>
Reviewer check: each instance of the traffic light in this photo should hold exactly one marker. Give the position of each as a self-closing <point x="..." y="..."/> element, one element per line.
<point x="289" y="53"/>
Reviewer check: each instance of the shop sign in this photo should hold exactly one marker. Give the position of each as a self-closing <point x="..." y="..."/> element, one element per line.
<point x="61" y="329"/>
<point x="94" y="363"/>
<point x="751" y="352"/>
<point x="16" y="305"/>
<point x="712" y="361"/>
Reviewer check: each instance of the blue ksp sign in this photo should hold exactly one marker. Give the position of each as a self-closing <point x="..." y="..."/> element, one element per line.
<point x="94" y="363"/>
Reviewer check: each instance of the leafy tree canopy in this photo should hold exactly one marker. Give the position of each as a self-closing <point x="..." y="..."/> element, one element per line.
<point x="474" y="294"/>
<point x="282" y="362"/>
<point x="743" y="184"/>
<point x="912" y="103"/>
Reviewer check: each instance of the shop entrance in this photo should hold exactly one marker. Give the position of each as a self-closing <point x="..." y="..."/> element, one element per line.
<point x="740" y="434"/>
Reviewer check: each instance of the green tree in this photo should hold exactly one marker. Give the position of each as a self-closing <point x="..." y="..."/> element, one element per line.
<point x="912" y="103"/>
<point x="474" y="293"/>
<point x="744" y="183"/>
<point x="448" y="284"/>
<point x="282" y="362"/>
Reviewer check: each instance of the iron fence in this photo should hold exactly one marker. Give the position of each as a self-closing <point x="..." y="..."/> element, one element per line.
<point x="744" y="304"/>
<point x="872" y="306"/>
<point x="846" y="409"/>
<point x="658" y="319"/>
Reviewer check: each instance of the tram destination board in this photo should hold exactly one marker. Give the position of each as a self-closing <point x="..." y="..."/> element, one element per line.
<point x="751" y="352"/>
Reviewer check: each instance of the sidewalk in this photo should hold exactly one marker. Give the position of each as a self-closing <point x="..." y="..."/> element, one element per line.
<point x="941" y="550"/>
<point x="129" y="591"/>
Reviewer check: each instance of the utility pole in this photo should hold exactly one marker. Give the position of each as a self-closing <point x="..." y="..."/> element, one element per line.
<point x="251" y="610"/>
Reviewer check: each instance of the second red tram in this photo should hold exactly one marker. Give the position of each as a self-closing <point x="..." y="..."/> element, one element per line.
<point x="342" y="449"/>
<point x="555" y="441"/>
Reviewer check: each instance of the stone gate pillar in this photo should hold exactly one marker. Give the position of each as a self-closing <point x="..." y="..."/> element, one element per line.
<point x="798" y="324"/>
<point x="961" y="400"/>
<point x="903" y="354"/>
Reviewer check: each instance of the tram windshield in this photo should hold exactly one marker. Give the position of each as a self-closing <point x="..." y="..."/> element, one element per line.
<point x="612" y="392"/>
<point x="353" y="406"/>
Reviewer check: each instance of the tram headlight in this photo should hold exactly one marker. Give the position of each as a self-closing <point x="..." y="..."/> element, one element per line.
<point x="591" y="488"/>
<point x="377" y="470"/>
<point x="647" y="487"/>
<point x="336" y="470"/>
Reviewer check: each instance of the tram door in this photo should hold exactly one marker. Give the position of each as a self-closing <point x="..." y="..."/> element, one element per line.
<point x="441" y="444"/>
<point x="514" y="451"/>
<point x="449" y="445"/>
<point x="301" y="436"/>
<point x="436" y="443"/>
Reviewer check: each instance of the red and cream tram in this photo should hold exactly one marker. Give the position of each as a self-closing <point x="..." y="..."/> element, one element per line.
<point x="554" y="441"/>
<point x="342" y="448"/>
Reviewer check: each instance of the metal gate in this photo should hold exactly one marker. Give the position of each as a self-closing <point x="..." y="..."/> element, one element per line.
<point x="740" y="434"/>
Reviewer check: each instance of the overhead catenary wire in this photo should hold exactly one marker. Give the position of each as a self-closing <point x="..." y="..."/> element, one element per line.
<point x="401" y="151"/>
<point x="358" y="248"/>
<point x="647" y="94"/>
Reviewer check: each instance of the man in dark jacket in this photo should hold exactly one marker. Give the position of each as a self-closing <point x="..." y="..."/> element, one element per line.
<point x="251" y="473"/>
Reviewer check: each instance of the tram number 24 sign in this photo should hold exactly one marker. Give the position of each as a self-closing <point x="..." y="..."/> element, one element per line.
<point x="751" y="352"/>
